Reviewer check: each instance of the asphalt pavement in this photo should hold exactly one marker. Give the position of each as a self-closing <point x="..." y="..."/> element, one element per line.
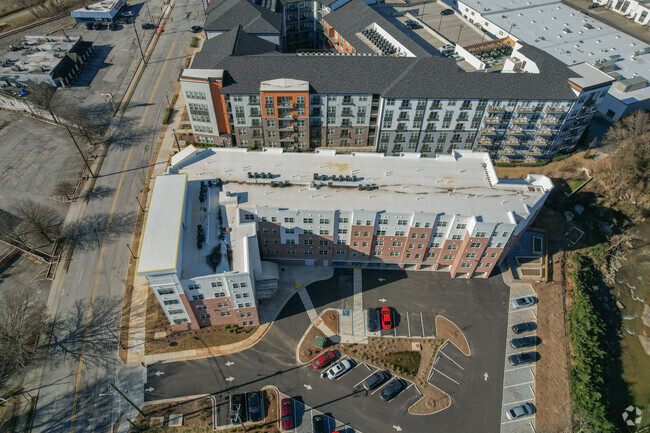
<point x="479" y="307"/>
<point x="75" y="394"/>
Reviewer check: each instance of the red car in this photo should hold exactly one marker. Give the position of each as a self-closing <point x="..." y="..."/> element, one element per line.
<point x="287" y="414"/>
<point x="386" y="318"/>
<point x="323" y="360"/>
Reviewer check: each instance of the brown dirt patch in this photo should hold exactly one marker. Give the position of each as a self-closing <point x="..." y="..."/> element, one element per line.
<point x="196" y="413"/>
<point x="447" y="330"/>
<point x="211" y="336"/>
<point x="558" y="169"/>
<point x="331" y="320"/>
<point x="307" y="351"/>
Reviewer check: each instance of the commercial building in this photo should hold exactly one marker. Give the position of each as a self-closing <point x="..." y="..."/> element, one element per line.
<point x="636" y="10"/>
<point x="104" y="12"/>
<point x="201" y="272"/>
<point x="54" y="60"/>
<point x="377" y="90"/>
<point x="572" y="37"/>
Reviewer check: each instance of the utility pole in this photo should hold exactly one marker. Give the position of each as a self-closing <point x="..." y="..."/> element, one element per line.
<point x="127" y="399"/>
<point x="176" y="139"/>
<point x="131" y="251"/>
<point x="115" y="336"/>
<point x="139" y="45"/>
<point x="140" y="204"/>
<point x="80" y="152"/>
<point x="148" y="10"/>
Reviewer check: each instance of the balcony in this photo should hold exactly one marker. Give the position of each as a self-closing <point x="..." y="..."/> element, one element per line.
<point x="288" y="138"/>
<point x="288" y="128"/>
<point x="590" y="103"/>
<point x="521" y="121"/>
<point x="347" y="114"/>
<point x="525" y="110"/>
<point x="287" y="115"/>
<point x="507" y="151"/>
<point x="540" y="142"/>
<point x="348" y="102"/>
<point x="549" y="121"/>
<point x="545" y="131"/>
<point x="436" y="107"/>
<point x="512" y="141"/>
<point x="404" y="106"/>
<point x="285" y="105"/>
<point x="486" y="142"/>
<point x="535" y="151"/>
<point x="555" y="110"/>
<point x="255" y="114"/>
<point x="493" y="109"/>
<point x="576" y="126"/>
<point x="488" y="131"/>
<point x="492" y="120"/>
<point x="516" y="131"/>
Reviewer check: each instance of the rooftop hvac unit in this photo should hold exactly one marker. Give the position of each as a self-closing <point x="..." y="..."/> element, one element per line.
<point x="631" y="84"/>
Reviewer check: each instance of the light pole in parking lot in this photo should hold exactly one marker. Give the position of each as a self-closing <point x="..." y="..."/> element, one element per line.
<point x="139" y="45"/>
<point x="459" y="32"/>
<point x="440" y="23"/>
<point x="148" y="10"/>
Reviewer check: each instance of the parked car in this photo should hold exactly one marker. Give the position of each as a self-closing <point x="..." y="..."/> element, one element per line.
<point x="127" y="14"/>
<point x="372" y="320"/>
<point x="518" y="343"/>
<point x="254" y="406"/>
<point x="447" y="12"/>
<point x="520" y="328"/>
<point x="318" y="424"/>
<point x="287" y="414"/>
<point x="393" y="388"/>
<point x="323" y="360"/>
<point x="522" y="358"/>
<point x="148" y="26"/>
<point x="521" y="411"/>
<point x="386" y="318"/>
<point x="100" y="26"/>
<point x="196" y="29"/>
<point x="90" y="26"/>
<point x="112" y="26"/>
<point x="375" y="380"/>
<point x="124" y="20"/>
<point x="447" y="47"/>
<point x="524" y="302"/>
<point x="339" y="369"/>
<point x="593" y="6"/>
<point x="458" y="58"/>
<point x="238" y="409"/>
<point x="412" y="24"/>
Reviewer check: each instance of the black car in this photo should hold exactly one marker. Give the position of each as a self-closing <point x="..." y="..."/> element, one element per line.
<point x="112" y="26"/>
<point x="123" y="20"/>
<point x="520" y="328"/>
<point x="412" y="24"/>
<point x="147" y="26"/>
<point x="254" y="406"/>
<point x="90" y="26"/>
<point x="522" y="358"/>
<point x="100" y="26"/>
<point x="447" y="12"/>
<point x="196" y="29"/>
<point x="375" y="380"/>
<point x="372" y="320"/>
<point x="238" y="409"/>
<point x="318" y="424"/>
<point x="393" y="388"/>
<point x="517" y="343"/>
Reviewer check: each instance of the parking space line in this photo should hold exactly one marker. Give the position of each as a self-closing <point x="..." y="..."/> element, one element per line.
<point x="369" y="369"/>
<point x="422" y="321"/>
<point x="435" y="369"/>
<point x="519" y="384"/>
<point x="381" y="387"/>
<point x="518" y="368"/>
<point x="522" y="309"/>
<point x="517" y="420"/>
<point x="447" y="356"/>
<point x="516" y="402"/>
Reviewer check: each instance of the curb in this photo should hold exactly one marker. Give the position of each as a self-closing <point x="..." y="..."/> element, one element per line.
<point x="304" y="335"/>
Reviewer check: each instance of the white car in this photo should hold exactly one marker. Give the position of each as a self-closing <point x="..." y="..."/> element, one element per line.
<point x="339" y="369"/>
<point x="447" y="47"/>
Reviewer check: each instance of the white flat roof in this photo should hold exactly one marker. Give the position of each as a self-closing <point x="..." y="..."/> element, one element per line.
<point x="456" y="183"/>
<point x="541" y="23"/>
<point x="163" y="226"/>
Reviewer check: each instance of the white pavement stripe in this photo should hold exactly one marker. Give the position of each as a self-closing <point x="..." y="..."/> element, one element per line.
<point x="422" y="321"/>
<point x="515" y="402"/>
<point x="516" y="420"/>
<point x="447" y="356"/>
<point x="408" y="324"/>
<point x="519" y="384"/>
<point x="520" y="368"/>
<point x="438" y="371"/>
<point x="306" y="301"/>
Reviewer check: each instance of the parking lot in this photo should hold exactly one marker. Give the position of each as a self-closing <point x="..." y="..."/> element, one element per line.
<point x="519" y="381"/>
<point x="411" y="324"/>
<point x="449" y="369"/>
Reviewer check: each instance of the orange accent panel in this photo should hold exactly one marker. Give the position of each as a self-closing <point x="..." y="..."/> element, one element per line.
<point x="292" y="97"/>
<point x="219" y="104"/>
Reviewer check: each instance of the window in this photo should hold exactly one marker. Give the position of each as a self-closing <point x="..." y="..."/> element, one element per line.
<point x="195" y="95"/>
<point x="456" y="237"/>
<point x="475" y="245"/>
<point x="205" y="316"/>
<point x="201" y="307"/>
<point x="408" y="256"/>
<point x="366" y="234"/>
<point x="164" y="292"/>
<point x="461" y="226"/>
<point x="379" y="242"/>
<point x="307" y="220"/>
<point x="442" y="223"/>
<point x="394" y="253"/>
<point x="323" y="243"/>
<point x="364" y="244"/>
<point x="225" y="313"/>
<point x="340" y="252"/>
<point x="423" y="236"/>
<point x="324" y="221"/>
<point x="193" y="287"/>
<point x="470" y="256"/>
<point x="493" y="255"/>
<point x="245" y="295"/>
<point x="414" y="235"/>
<point x="399" y="232"/>
<point x="402" y="222"/>
<point x="376" y="253"/>
<point x="307" y="242"/>
<point x="289" y="231"/>
<point x="171" y="302"/>
<point x="448" y="257"/>
<point x="308" y="253"/>
<point x="452" y="247"/>
<point x="343" y="220"/>
<point x="324" y="232"/>
<point x="504" y="234"/>
<point x="238" y="296"/>
<point x="219" y="294"/>
<point x="197" y="297"/>
<point x="322" y="253"/>
<point x="397" y="243"/>
<point x="466" y="265"/>
<point x="487" y="265"/>
<point x="343" y="231"/>
<point x="176" y="311"/>
<point x="235" y="285"/>
<point x="480" y="234"/>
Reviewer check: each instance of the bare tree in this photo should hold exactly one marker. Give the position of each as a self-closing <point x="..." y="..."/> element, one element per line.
<point x="9" y="229"/>
<point x="65" y="188"/>
<point x="21" y="321"/>
<point x="42" y="95"/>
<point x="41" y="222"/>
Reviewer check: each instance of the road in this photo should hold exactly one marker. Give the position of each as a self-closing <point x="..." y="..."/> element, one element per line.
<point x="479" y="307"/>
<point x="75" y="393"/>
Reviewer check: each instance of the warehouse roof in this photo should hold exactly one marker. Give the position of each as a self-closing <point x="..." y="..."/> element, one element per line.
<point x="163" y="226"/>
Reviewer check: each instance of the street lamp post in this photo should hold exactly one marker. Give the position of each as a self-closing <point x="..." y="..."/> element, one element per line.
<point x="127" y="399"/>
<point x="459" y="32"/>
<point x="79" y="149"/>
<point x="176" y="139"/>
<point x="440" y="23"/>
<point x="135" y="30"/>
<point x="140" y="204"/>
<point x="131" y="251"/>
<point x="115" y="336"/>
<point x="148" y="10"/>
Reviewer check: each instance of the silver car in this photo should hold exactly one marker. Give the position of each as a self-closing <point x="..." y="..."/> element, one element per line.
<point x="339" y="369"/>
<point x="525" y="409"/>
<point x="524" y="302"/>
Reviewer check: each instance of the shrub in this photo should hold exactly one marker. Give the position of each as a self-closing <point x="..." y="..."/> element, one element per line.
<point x="168" y="114"/>
<point x="194" y="42"/>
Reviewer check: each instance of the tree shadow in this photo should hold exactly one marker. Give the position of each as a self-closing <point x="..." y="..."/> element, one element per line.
<point x="100" y="192"/>
<point x="73" y="333"/>
<point x="90" y="232"/>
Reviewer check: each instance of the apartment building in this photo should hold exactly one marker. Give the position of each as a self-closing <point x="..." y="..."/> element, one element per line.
<point x="449" y="213"/>
<point x="200" y="274"/>
<point x="377" y="90"/>
<point x="572" y="37"/>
